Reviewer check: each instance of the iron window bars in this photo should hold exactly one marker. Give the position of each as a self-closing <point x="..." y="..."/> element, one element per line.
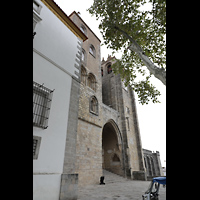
<point x="42" y="98"/>
<point x="36" y="146"/>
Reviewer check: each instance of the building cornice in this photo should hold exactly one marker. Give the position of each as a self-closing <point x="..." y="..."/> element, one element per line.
<point x="74" y="12"/>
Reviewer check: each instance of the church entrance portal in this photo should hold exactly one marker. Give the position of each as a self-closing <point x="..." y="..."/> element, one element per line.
<point x="112" y="150"/>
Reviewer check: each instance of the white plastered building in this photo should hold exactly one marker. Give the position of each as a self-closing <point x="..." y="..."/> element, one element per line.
<point x="57" y="45"/>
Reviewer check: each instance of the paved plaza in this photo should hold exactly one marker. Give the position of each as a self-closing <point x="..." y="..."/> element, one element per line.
<point x="117" y="188"/>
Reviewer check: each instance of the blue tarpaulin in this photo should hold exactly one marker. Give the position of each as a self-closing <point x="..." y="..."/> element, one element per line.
<point x="161" y="180"/>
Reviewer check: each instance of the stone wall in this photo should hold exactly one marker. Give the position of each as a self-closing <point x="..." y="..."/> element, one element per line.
<point x="106" y="138"/>
<point x="152" y="163"/>
<point x="121" y="98"/>
<point x="89" y="153"/>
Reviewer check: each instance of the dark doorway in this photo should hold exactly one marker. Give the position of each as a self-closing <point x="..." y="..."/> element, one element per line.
<point x="111" y="150"/>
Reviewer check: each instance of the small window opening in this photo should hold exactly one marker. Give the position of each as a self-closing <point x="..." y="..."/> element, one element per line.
<point x="83" y="75"/>
<point x="94" y="105"/>
<point x="109" y="69"/>
<point x="83" y="29"/>
<point x="92" y="50"/>
<point x="116" y="158"/>
<point x="92" y="81"/>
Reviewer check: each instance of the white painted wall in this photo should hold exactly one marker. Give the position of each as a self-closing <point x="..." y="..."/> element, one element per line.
<point x="51" y="154"/>
<point x="46" y="187"/>
<point x="54" y="54"/>
<point x="55" y="40"/>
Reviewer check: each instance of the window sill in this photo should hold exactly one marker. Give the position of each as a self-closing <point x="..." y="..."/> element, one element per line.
<point x="94" y="113"/>
<point x="92" y="55"/>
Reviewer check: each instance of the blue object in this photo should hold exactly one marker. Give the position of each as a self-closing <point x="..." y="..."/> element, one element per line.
<point x="161" y="180"/>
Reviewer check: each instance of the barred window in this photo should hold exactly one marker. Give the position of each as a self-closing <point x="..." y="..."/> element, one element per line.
<point x="36" y="146"/>
<point x="42" y="98"/>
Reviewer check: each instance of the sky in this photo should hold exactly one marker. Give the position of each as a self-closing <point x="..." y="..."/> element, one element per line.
<point x="151" y="117"/>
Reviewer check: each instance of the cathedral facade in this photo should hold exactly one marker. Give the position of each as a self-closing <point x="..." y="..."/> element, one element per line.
<point x="84" y="117"/>
<point x="108" y="135"/>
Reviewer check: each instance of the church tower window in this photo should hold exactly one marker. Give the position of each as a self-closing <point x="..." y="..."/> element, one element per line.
<point x="109" y="69"/>
<point x="83" y="29"/>
<point x="94" y="105"/>
<point x="92" y="50"/>
<point x="92" y="81"/>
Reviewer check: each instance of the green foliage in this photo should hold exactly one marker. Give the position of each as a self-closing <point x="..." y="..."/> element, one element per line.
<point x="146" y="27"/>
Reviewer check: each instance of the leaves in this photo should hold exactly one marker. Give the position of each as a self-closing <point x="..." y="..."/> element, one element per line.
<point x="145" y="90"/>
<point x="146" y="26"/>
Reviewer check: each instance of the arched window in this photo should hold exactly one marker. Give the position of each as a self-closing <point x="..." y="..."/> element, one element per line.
<point x="83" y="29"/>
<point x="109" y="69"/>
<point x="92" y="50"/>
<point x="83" y="75"/>
<point x="94" y="105"/>
<point x="83" y="55"/>
<point x="92" y="81"/>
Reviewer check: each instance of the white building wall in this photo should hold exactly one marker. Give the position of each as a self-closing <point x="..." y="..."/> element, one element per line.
<point x="51" y="153"/>
<point x="55" y="40"/>
<point x="54" y="58"/>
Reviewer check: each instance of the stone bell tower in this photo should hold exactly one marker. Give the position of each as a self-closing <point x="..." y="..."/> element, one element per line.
<point x="121" y="98"/>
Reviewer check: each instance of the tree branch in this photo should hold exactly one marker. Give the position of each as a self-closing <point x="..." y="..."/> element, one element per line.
<point x="159" y="73"/>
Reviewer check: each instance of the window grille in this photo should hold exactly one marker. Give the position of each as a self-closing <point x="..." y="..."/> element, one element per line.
<point x="36" y="146"/>
<point x="42" y="98"/>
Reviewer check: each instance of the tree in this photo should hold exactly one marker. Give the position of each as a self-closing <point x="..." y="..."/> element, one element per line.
<point x="140" y="35"/>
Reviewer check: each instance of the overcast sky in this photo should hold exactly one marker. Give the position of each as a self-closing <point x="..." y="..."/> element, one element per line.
<point x="152" y="117"/>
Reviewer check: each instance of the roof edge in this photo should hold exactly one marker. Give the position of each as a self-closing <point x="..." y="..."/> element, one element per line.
<point x="74" y="12"/>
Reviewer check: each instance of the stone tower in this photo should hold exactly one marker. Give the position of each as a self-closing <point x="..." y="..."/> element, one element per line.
<point x="107" y="132"/>
<point x="121" y="98"/>
<point x="152" y="164"/>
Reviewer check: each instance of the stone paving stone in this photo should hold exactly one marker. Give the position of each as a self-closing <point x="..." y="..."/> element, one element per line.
<point x="123" y="189"/>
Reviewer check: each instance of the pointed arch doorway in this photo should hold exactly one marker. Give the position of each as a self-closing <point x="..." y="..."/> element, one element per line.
<point x="112" y="154"/>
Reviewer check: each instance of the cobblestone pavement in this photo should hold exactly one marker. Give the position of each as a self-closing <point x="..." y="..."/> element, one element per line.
<point x="117" y="188"/>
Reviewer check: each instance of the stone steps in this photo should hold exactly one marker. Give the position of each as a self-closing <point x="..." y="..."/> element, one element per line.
<point x="110" y="177"/>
